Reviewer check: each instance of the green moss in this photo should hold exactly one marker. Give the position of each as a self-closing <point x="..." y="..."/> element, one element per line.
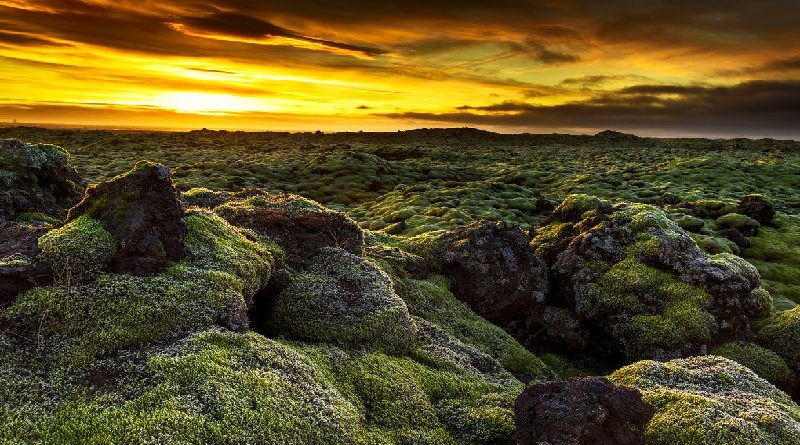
<point x="113" y="312"/>
<point x="681" y="315"/>
<point x="782" y="335"/>
<point x="79" y="248"/>
<point x="711" y="208"/>
<point x="711" y="401"/>
<point x="737" y="221"/>
<point x="36" y="218"/>
<point x="574" y="206"/>
<point x="342" y="298"/>
<point x="775" y="251"/>
<point x="763" y="362"/>
<point x="204" y="197"/>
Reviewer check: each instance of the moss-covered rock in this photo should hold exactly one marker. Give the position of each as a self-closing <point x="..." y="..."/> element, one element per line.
<point x="36" y="178"/>
<point x="762" y="361"/>
<point x="78" y="249"/>
<point x="141" y="209"/>
<point x="744" y="224"/>
<point x="631" y="273"/>
<point x="782" y="335"/>
<point x="341" y="298"/>
<point x="711" y="400"/>
<point x="222" y="271"/>
<point x="300" y="226"/>
<point x="19" y="269"/>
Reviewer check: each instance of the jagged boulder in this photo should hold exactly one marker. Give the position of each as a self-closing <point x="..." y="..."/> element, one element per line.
<point x="300" y="226"/>
<point x="492" y="268"/>
<point x="711" y="400"/>
<point x="637" y="286"/>
<point x="142" y="211"/>
<point x="580" y="411"/>
<point x="19" y="270"/>
<point x="36" y="178"/>
<point x="339" y="298"/>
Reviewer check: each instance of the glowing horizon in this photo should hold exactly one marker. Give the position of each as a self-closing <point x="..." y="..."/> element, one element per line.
<point x="697" y="69"/>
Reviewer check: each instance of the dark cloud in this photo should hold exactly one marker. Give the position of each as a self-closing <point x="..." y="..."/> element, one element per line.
<point x="25" y="40"/>
<point x="772" y="66"/>
<point x="244" y="26"/>
<point x="755" y="108"/>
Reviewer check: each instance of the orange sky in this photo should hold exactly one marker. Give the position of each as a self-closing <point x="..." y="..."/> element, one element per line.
<point x="659" y="67"/>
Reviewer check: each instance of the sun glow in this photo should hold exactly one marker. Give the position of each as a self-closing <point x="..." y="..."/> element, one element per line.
<point x="208" y="103"/>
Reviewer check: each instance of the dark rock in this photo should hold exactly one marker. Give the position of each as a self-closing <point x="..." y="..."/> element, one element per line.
<point x="141" y="209"/>
<point x="300" y="226"/>
<point x="758" y="208"/>
<point x="492" y="268"/>
<point x="19" y="270"/>
<point x="580" y="411"/>
<point x="736" y="236"/>
<point x="36" y="178"/>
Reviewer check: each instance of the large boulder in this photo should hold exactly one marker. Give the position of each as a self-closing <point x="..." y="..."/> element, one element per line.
<point x="492" y="268"/>
<point x="338" y="298"/>
<point x="36" y="178"/>
<point x="711" y="400"/>
<point x="638" y="286"/>
<point x="19" y="270"/>
<point x="300" y="226"/>
<point x="580" y="411"/>
<point x="142" y="211"/>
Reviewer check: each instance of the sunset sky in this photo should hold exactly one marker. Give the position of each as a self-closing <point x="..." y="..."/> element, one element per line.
<point x="717" y="68"/>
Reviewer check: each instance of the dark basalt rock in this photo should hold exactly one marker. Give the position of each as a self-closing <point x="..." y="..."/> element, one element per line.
<point x="36" y="178"/>
<point x="736" y="236"/>
<point x="758" y="208"/>
<point x="141" y="209"/>
<point x="19" y="270"/>
<point x="300" y="226"/>
<point x="580" y="411"/>
<point x="492" y="268"/>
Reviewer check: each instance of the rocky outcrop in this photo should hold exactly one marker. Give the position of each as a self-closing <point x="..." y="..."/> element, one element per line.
<point x="300" y="226"/>
<point x="580" y="411"/>
<point x="142" y="211"/>
<point x="638" y="285"/>
<point x="36" y="178"/>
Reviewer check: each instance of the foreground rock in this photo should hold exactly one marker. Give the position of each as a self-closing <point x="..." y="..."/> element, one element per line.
<point x="580" y="411"/>
<point x="142" y="211"/>
<point x="19" y="270"/>
<point x="300" y="226"/>
<point x="711" y="401"/>
<point x="36" y="178"/>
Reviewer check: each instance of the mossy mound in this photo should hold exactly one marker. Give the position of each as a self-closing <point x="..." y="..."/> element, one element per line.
<point x="79" y="322"/>
<point x="744" y="224"/>
<point x="711" y="400"/>
<point x="782" y="335"/>
<point x="36" y="178"/>
<point x="630" y="272"/>
<point x="775" y="251"/>
<point x="764" y="362"/>
<point x="300" y="226"/>
<point x="79" y="248"/>
<point x="341" y="298"/>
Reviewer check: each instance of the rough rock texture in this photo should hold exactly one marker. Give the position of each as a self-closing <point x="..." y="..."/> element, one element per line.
<point x="632" y="282"/>
<point x="300" y="226"/>
<point x="758" y="208"/>
<point x="19" y="270"/>
<point x="711" y="400"/>
<point x="340" y="298"/>
<point x="492" y="268"/>
<point x="141" y="209"/>
<point x="36" y="178"/>
<point x="580" y="411"/>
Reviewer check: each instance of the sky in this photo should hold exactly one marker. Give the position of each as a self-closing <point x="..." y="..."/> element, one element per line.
<point x="663" y="68"/>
